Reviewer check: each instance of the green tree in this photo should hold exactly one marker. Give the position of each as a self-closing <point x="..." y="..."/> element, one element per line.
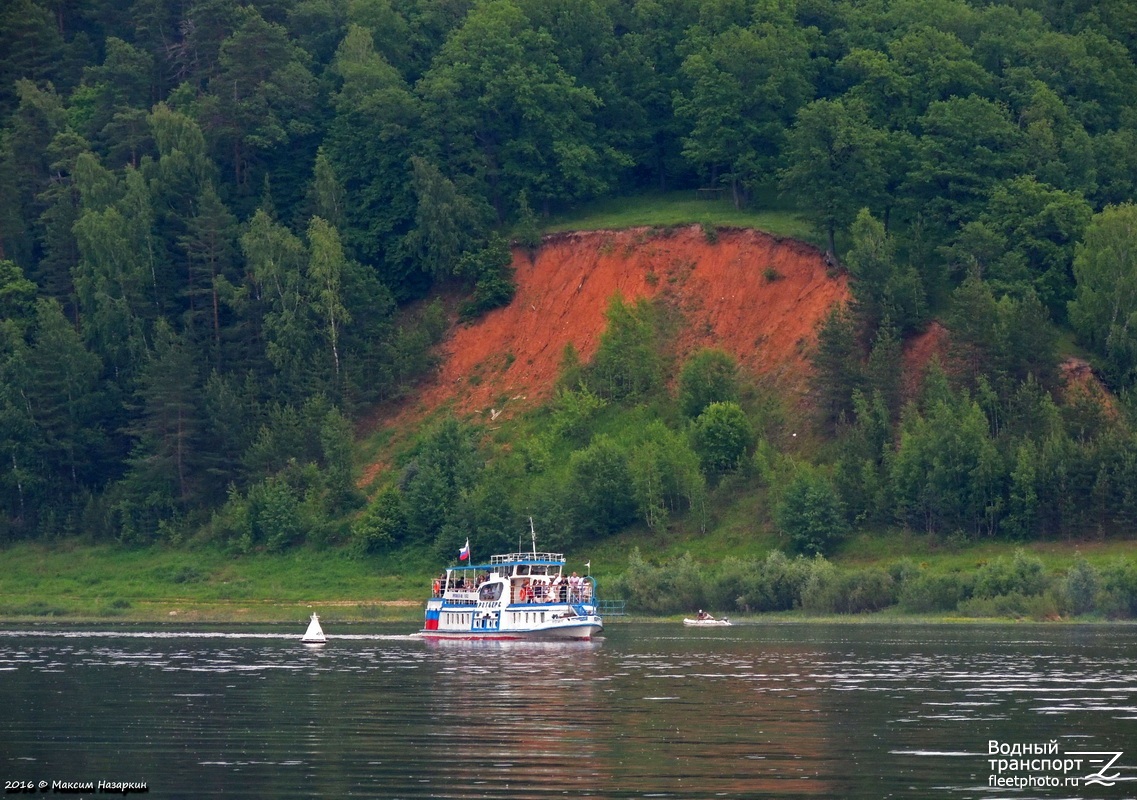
<point x="967" y="145"/>
<point x="709" y="376"/>
<point x="164" y="460"/>
<point x="665" y="477"/>
<point x="947" y="473"/>
<point x="810" y="513"/>
<point x="261" y="98"/>
<point x="838" y="372"/>
<point x="599" y="489"/>
<point x="377" y="126"/>
<point x="448" y="225"/>
<point x="835" y="164"/>
<point x="627" y="364"/>
<point x="65" y="401"/>
<point x="381" y="526"/>
<point x="882" y="288"/>
<point x="743" y="87"/>
<point x="722" y="436"/>
<point x="1104" y="308"/>
<point x="326" y="265"/>
<point x="276" y="262"/>
<point x="210" y="245"/>
<point x="1040" y="226"/>
<point x="509" y="115"/>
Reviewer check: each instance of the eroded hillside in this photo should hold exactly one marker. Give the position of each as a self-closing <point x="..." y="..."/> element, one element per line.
<point x="755" y="295"/>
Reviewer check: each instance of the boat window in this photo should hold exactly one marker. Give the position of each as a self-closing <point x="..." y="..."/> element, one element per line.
<point x="538" y="569"/>
<point x="522" y="569"/>
<point x="490" y="592"/>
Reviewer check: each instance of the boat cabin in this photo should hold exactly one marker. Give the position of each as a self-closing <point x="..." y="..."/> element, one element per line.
<point x="519" y="577"/>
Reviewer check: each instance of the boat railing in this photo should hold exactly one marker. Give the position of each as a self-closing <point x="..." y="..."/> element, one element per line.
<point x="612" y="608"/>
<point x="508" y="558"/>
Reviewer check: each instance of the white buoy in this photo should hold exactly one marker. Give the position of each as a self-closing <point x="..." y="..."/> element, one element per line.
<point x="314" y="634"/>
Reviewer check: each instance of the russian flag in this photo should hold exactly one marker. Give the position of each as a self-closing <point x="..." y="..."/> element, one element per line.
<point x="464" y="553"/>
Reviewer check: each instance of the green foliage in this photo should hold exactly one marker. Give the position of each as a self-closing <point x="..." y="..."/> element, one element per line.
<point x="572" y="413"/>
<point x="947" y="472"/>
<point x="838" y="372"/>
<point x="830" y="591"/>
<point x="599" y="490"/>
<point x="205" y="241"/>
<point x="811" y="514"/>
<point x="1082" y="585"/>
<point x="723" y="437"/>
<point x="666" y="478"/>
<point x="381" y="526"/>
<point x="930" y="592"/>
<point x="1104" y="309"/>
<point x="676" y="586"/>
<point x="490" y="269"/>
<point x="883" y="289"/>
<point x="1021" y="575"/>
<point x="773" y="584"/>
<point x="627" y="365"/>
<point x="835" y="162"/>
<point x="708" y="376"/>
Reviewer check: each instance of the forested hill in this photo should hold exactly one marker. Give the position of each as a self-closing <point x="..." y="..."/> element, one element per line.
<point x="221" y="224"/>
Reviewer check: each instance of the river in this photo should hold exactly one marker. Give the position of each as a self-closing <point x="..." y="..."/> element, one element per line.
<point x="648" y="711"/>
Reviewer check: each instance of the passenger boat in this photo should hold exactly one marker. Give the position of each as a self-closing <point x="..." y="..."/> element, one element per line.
<point x="514" y="596"/>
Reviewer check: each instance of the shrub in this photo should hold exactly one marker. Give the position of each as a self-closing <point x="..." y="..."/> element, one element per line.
<point x="831" y="591"/>
<point x="1014" y="604"/>
<point x="927" y="592"/>
<point x="1022" y="574"/>
<point x="819" y="592"/>
<point x="1117" y="597"/>
<point x="678" y="585"/>
<point x="774" y="584"/>
<point x="1082" y="585"/>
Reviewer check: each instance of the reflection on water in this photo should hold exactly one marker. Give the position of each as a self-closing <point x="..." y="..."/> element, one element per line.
<point x="648" y="711"/>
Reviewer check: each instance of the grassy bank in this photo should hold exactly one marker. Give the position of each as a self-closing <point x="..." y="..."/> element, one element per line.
<point x="83" y="582"/>
<point x="661" y="209"/>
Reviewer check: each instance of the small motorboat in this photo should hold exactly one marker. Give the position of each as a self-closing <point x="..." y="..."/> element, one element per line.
<point x="314" y="634"/>
<point x="706" y="620"/>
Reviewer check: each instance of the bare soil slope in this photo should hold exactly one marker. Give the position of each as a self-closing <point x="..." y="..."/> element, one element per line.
<point x="752" y="294"/>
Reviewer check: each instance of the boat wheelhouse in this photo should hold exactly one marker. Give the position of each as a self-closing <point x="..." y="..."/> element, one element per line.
<point x="514" y="596"/>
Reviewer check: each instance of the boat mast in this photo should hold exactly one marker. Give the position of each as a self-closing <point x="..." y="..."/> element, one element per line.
<point x="533" y="532"/>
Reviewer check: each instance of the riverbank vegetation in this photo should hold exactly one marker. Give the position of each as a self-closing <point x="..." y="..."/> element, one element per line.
<point x="230" y="235"/>
<point x="938" y="581"/>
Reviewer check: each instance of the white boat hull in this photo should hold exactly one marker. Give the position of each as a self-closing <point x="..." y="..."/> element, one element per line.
<point x="582" y="631"/>
<point x="707" y="623"/>
<point x="538" y="622"/>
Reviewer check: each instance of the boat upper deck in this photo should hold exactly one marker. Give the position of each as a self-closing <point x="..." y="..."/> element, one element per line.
<point x="527" y="558"/>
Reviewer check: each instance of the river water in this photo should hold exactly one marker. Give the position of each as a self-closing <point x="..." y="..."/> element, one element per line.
<point x="649" y="711"/>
